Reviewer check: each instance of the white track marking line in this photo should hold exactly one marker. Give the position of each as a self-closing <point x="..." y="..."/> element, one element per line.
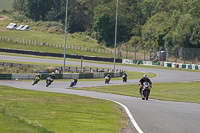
<point x="129" y="115"/>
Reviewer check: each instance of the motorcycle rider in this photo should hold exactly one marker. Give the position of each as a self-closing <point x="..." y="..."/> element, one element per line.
<point x="142" y="80"/>
<point x="37" y="78"/>
<point x="125" y="76"/>
<point x="75" y="81"/>
<point x="109" y="77"/>
<point x="52" y="76"/>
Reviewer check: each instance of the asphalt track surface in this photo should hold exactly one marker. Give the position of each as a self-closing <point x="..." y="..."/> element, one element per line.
<point x="152" y="116"/>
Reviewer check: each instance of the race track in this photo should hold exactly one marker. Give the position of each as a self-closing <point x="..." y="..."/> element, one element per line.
<point x="153" y="116"/>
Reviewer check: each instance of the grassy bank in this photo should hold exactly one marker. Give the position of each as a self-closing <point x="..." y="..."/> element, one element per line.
<point x="53" y="49"/>
<point x="49" y="38"/>
<point x="43" y="112"/>
<point x="6" y="4"/>
<point x="181" y="91"/>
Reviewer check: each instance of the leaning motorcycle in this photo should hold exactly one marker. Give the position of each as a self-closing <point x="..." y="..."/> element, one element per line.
<point x="49" y="81"/>
<point x="145" y="91"/>
<point x="73" y="83"/>
<point x="124" y="78"/>
<point x="107" y="80"/>
<point x="35" y="81"/>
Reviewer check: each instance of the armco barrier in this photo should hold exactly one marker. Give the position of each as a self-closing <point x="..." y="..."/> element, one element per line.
<point x="5" y="76"/>
<point x="31" y="76"/>
<point x="118" y="74"/>
<point x="85" y="75"/>
<point x="70" y="75"/>
<point x="60" y="55"/>
<point x="98" y="75"/>
<point x="23" y="76"/>
<point x="111" y="74"/>
<point x="57" y="75"/>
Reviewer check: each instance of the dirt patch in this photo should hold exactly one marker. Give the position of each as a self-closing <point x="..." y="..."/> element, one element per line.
<point x="3" y="17"/>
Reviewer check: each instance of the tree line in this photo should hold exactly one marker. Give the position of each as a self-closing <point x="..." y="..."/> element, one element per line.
<point x="174" y="23"/>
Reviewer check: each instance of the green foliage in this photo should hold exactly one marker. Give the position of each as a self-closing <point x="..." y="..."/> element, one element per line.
<point x="157" y="23"/>
<point x="19" y="5"/>
<point x="105" y="29"/>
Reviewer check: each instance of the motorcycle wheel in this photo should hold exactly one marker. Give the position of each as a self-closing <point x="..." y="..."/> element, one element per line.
<point x="146" y="95"/>
<point x="143" y="98"/>
<point x="71" y="85"/>
<point x="48" y="83"/>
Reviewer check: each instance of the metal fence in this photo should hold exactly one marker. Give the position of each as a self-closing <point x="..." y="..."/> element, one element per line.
<point x="171" y="54"/>
<point x="46" y="44"/>
<point x="58" y="68"/>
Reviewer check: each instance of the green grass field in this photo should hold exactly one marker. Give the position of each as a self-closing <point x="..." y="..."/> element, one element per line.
<point x="48" y="38"/>
<point x="5" y="4"/>
<point x="176" y="91"/>
<point x="53" y="49"/>
<point x="43" y="112"/>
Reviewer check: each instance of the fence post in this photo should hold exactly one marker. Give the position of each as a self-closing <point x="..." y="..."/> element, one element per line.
<point x="176" y="54"/>
<point x="192" y="56"/>
<point x="144" y="53"/>
<point x="184" y="56"/>
<point x="135" y="52"/>
<point x="159" y="53"/>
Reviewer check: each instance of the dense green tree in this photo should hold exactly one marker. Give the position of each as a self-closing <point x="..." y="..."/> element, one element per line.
<point x="150" y="22"/>
<point x="105" y="29"/>
<point x="19" y="5"/>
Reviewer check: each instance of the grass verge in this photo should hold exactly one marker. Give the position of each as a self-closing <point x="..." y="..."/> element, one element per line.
<point x="32" y="111"/>
<point x="177" y="91"/>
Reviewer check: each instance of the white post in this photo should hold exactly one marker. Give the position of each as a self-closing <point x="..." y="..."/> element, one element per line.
<point x="115" y="35"/>
<point x="65" y="36"/>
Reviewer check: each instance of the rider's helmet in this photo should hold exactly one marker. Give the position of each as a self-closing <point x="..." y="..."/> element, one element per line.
<point x="145" y="76"/>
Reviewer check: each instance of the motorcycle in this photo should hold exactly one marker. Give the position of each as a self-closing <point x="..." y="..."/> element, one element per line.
<point x="49" y="81"/>
<point x="145" y="91"/>
<point x="73" y="83"/>
<point x="124" y="78"/>
<point x="35" y="81"/>
<point x="107" y="80"/>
